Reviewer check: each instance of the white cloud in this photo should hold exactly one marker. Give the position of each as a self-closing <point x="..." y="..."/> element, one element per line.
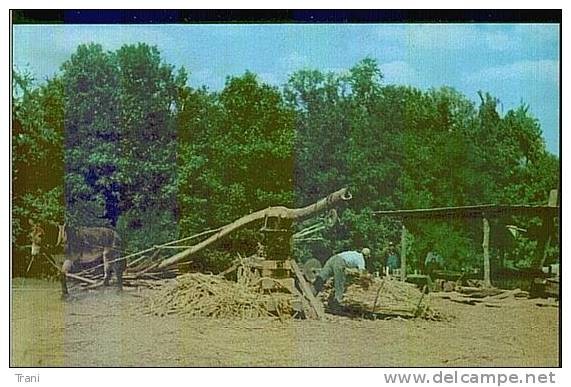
<point x="442" y="36"/>
<point x="401" y="73"/>
<point x="457" y="37"/>
<point x="295" y="60"/>
<point x="538" y="71"/>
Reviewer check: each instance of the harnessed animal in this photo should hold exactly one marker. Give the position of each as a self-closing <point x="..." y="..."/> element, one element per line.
<point x="84" y="245"/>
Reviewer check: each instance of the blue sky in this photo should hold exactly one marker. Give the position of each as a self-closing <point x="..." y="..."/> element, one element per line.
<point x="514" y="62"/>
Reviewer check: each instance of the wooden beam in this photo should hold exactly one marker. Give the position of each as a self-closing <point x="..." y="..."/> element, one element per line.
<point x="488" y="210"/>
<point x="486" y="248"/>
<point x="403" y="253"/>
<point x="308" y="292"/>
<point x="80" y="278"/>
<point x="294" y="214"/>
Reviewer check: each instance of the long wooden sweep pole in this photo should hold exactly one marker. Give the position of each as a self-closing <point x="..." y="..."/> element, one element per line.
<point x="278" y="212"/>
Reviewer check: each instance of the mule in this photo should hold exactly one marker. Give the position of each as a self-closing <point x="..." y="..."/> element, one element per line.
<point x="80" y="245"/>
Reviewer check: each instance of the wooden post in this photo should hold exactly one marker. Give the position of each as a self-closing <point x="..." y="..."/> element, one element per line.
<point x="548" y="226"/>
<point x="553" y="200"/>
<point x="545" y="250"/>
<point x="486" y="247"/>
<point x="548" y="222"/>
<point x="307" y="291"/>
<point x="403" y="253"/>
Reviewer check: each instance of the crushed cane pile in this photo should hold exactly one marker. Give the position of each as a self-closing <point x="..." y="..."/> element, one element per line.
<point x="203" y="295"/>
<point x="386" y="297"/>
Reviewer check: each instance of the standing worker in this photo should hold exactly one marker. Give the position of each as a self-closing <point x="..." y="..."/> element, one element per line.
<point x="335" y="267"/>
<point x="392" y="259"/>
<point x="433" y="262"/>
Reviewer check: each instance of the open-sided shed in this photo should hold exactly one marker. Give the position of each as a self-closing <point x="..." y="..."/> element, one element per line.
<point x="485" y="212"/>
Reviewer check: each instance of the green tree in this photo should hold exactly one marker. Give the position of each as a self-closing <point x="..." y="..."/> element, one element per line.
<point x="252" y="148"/>
<point x="37" y="160"/>
<point x="120" y="140"/>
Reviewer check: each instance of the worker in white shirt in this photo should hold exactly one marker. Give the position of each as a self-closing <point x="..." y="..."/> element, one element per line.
<point x="335" y="267"/>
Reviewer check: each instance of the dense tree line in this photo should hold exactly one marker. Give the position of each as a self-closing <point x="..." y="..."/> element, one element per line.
<point x="120" y="139"/>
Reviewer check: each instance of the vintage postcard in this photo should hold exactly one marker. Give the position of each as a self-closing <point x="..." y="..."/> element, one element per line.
<point x="285" y="188"/>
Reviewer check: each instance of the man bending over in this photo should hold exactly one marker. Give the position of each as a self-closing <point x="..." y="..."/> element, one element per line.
<point x="335" y="267"/>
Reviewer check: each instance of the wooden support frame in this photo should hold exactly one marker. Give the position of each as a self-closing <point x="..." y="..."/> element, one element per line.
<point x="486" y="248"/>
<point x="403" y="253"/>
<point x="317" y="308"/>
<point x="548" y="212"/>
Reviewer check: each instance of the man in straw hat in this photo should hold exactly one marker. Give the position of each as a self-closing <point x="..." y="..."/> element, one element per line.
<point x="335" y="267"/>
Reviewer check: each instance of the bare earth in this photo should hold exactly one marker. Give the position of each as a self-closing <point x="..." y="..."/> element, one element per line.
<point x="103" y="328"/>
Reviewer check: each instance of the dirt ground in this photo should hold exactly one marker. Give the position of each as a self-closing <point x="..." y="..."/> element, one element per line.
<point x="103" y="328"/>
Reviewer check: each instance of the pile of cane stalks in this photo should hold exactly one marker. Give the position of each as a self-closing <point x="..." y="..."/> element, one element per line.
<point x="387" y="297"/>
<point x="203" y="295"/>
